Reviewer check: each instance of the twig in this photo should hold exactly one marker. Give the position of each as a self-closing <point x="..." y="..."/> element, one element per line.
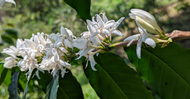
<point x="175" y="36"/>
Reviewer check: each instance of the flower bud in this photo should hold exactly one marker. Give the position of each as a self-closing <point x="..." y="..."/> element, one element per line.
<point x="145" y="20"/>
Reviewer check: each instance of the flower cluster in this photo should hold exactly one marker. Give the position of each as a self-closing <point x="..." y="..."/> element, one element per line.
<point x="99" y="33"/>
<point x="54" y="52"/>
<point x="41" y="52"/>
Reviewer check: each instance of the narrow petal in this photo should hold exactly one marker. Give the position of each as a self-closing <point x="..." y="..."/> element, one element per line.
<point x="1" y="3"/>
<point x="117" y="32"/>
<point x="106" y="32"/>
<point x="132" y="16"/>
<point x="136" y="37"/>
<point x="92" y="62"/>
<point x="64" y="32"/>
<point x="138" y="49"/>
<point x="109" y="25"/>
<point x="105" y="18"/>
<point x="11" y="1"/>
<point x="148" y="40"/>
<point x="94" y="34"/>
<point x="99" y="21"/>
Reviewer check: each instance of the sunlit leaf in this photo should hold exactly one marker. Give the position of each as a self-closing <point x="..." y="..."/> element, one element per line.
<point x="115" y="80"/>
<point x="13" y="90"/>
<point x="166" y="70"/>
<point x="51" y="90"/>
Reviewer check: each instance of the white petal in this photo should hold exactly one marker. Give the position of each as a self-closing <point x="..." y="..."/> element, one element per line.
<point x="64" y="32"/>
<point x="105" y="18"/>
<point x="136" y="37"/>
<point x="69" y="32"/>
<point x="106" y="32"/>
<point x="120" y="20"/>
<point x="144" y="15"/>
<point x="99" y="21"/>
<point x="68" y="43"/>
<point x="18" y="43"/>
<point x="108" y="25"/>
<point x="117" y="32"/>
<point x="85" y="35"/>
<point x="1" y="3"/>
<point x="148" y="41"/>
<point x="80" y="43"/>
<point x="94" y="34"/>
<point x="138" y="49"/>
<point x="11" y="1"/>
<point x="132" y="16"/>
<point x="92" y="62"/>
<point x="56" y="56"/>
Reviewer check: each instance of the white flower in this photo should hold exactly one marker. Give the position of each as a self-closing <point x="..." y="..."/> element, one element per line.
<point x="103" y="26"/>
<point x="3" y="1"/>
<point x="146" y="21"/>
<point x="67" y="36"/>
<point x="99" y="33"/>
<point x="55" y="63"/>
<point x="142" y="37"/>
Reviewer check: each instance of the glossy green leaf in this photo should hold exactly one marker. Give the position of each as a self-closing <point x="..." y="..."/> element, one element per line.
<point x="115" y="80"/>
<point x="166" y="70"/>
<point x="82" y="7"/>
<point x="13" y="90"/>
<point x="69" y="88"/>
<point x="51" y="90"/>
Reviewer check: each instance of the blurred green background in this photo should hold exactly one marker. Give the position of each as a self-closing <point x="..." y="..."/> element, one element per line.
<point x="32" y="16"/>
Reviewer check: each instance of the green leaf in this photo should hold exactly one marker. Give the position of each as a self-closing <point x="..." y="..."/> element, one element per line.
<point x="51" y="90"/>
<point x="82" y="7"/>
<point x="115" y="80"/>
<point x="13" y="90"/>
<point x="11" y="32"/>
<point x="69" y="88"/>
<point x="6" y="38"/>
<point x="166" y="70"/>
<point x="5" y="75"/>
<point x="25" y="90"/>
<point x="3" y="72"/>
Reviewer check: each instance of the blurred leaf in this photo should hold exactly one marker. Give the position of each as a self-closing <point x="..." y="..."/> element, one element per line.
<point x="82" y="7"/>
<point x="25" y="90"/>
<point x="166" y="70"/>
<point x="3" y="72"/>
<point x="6" y="38"/>
<point x="115" y="80"/>
<point x="5" y="76"/>
<point x="51" y="90"/>
<point x="11" y="32"/>
<point x="13" y="91"/>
